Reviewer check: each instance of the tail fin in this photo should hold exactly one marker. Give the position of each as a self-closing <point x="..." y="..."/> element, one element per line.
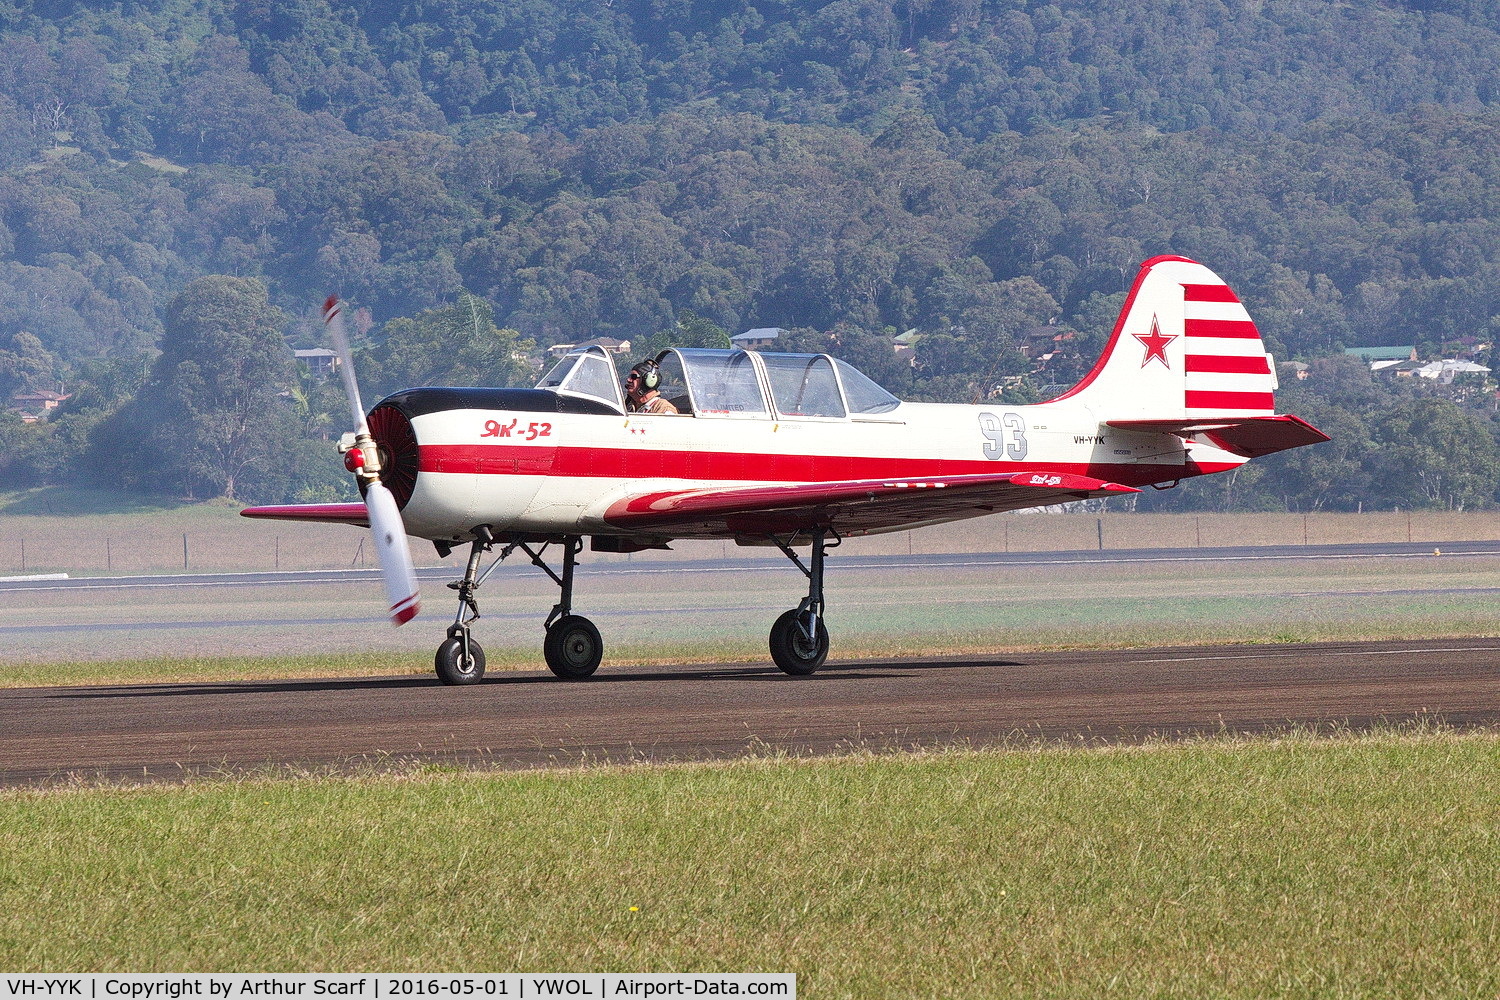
<point x="1183" y="348"/>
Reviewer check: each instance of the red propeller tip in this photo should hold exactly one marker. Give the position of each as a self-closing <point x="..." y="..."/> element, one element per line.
<point x="405" y="611"/>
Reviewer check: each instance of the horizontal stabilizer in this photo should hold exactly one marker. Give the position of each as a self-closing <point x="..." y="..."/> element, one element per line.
<point x="1248" y="436"/>
<point x="326" y="513"/>
<point x="853" y="506"/>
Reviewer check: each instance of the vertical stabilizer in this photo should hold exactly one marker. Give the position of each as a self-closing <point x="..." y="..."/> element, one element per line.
<point x="1183" y="348"/>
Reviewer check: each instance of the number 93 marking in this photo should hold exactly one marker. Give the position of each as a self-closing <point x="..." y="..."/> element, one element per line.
<point x="1004" y="436"/>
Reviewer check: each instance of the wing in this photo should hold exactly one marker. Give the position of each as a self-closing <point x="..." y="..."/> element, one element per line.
<point x="851" y="507"/>
<point x="327" y="513"/>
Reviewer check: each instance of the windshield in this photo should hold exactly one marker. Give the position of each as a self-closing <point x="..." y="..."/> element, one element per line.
<point x="586" y="373"/>
<point x="558" y="373"/>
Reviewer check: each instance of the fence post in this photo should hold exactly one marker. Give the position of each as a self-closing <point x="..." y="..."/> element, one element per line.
<point x="184" y="551"/>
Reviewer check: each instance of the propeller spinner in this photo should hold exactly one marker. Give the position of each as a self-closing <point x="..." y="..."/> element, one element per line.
<point x="364" y="461"/>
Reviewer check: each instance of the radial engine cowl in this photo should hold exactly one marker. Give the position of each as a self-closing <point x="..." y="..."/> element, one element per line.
<point x="397" y="442"/>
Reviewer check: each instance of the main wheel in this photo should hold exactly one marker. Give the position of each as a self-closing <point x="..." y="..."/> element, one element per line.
<point x="573" y="647"/>
<point x="453" y="667"/>
<point x="792" y="650"/>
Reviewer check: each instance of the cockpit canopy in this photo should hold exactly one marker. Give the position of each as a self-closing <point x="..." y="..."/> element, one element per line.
<point x="589" y="372"/>
<point x="733" y="384"/>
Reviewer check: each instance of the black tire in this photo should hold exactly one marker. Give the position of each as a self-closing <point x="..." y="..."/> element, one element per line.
<point x="573" y="647"/>
<point x="792" y="651"/>
<point x="449" y="661"/>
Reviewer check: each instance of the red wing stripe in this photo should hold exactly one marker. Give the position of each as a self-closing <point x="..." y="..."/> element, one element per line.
<point x="1208" y="293"/>
<point x="1205" y="400"/>
<point x="1227" y="364"/>
<point x="1239" y="329"/>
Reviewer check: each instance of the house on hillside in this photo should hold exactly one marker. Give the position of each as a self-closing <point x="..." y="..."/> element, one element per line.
<point x="758" y="339"/>
<point x="1445" y="370"/>
<point x="610" y="344"/>
<point x="1373" y="355"/>
<point x="34" y="406"/>
<point x="1042" y="343"/>
<point x="1402" y="369"/>
<point x="319" y="360"/>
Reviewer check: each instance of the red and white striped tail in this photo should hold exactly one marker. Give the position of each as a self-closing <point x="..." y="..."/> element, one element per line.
<point x="1228" y="372"/>
<point x="1183" y="348"/>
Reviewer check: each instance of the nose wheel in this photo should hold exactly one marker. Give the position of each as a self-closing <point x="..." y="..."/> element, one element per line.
<point x="459" y="660"/>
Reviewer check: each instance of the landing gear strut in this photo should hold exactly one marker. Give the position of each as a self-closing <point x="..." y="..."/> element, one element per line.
<point x="799" y="639"/>
<point x="573" y="648"/>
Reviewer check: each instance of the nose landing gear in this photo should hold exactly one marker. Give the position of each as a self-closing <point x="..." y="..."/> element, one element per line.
<point x="573" y="648"/>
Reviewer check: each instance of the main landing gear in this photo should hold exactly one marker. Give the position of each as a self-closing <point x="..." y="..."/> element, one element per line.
<point x="572" y="648"/>
<point x="799" y="639"/>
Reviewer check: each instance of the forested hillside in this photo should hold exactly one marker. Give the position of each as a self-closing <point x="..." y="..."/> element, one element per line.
<point x="968" y="169"/>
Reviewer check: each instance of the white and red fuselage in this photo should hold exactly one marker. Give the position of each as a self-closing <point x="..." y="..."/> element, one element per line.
<point x="769" y="445"/>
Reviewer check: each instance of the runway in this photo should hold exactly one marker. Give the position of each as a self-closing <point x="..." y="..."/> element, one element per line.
<point x="522" y="720"/>
<point x="839" y="563"/>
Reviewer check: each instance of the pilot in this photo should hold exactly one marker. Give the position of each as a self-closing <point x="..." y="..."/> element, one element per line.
<point x="641" y="395"/>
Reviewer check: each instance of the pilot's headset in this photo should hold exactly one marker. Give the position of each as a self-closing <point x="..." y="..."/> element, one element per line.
<point x="650" y="374"/>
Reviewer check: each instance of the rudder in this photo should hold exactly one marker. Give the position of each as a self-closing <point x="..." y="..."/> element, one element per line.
<point x="1184" y="347"/>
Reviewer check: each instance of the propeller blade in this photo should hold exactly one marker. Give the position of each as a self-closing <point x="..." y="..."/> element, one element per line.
<point x="395" y="556"/>
<point x="333" y="319"/>
<point x="386" y="526"/>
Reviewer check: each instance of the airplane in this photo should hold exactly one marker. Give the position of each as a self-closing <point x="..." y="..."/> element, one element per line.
<point x="784" y="450"/>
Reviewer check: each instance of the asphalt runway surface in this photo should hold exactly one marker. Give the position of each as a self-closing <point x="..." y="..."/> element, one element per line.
<point x="167" y="732"/>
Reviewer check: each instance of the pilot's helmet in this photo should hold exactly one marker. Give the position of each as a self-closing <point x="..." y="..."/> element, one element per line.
<point x="648" y="372"/>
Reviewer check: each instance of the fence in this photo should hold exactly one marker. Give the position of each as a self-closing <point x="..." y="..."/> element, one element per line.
<point x="220" y="542"/>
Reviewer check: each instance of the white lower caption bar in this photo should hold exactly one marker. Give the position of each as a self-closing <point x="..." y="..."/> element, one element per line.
<point x="396" y="985"/>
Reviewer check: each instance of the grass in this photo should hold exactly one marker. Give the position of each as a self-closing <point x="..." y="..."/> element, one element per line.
<point x="59" y="501"/>
<point x="1356" y="866"/>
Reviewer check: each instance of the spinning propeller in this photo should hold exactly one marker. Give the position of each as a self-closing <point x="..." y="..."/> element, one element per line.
<point x="364" y="461"/>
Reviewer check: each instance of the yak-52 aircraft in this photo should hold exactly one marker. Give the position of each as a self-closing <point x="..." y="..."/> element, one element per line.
<point x="786" y="450"/>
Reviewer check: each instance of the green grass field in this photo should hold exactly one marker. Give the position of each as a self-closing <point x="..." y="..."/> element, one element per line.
<point x="1292" y="867"/>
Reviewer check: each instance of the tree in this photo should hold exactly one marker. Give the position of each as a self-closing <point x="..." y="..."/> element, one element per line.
<point x="26" y="366"/>
<point x="1433" y="454"/>
<point x="452" y="345"/>
<point x="214" y="417"/>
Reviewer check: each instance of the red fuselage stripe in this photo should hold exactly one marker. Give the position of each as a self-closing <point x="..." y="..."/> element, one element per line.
<point x="644" y="463"/>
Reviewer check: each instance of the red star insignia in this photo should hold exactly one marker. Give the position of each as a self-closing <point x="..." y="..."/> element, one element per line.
<point x="1156" y="344"/>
